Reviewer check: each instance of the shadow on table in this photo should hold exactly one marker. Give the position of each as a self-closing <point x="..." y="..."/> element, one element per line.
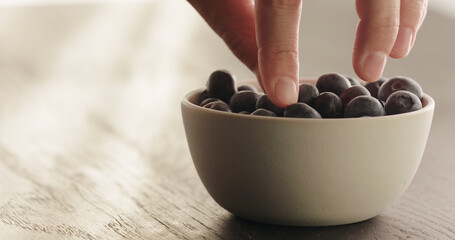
<point x="239" y="228"/>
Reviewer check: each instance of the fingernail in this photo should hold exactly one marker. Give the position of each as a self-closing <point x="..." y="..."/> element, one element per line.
<point x="374" y="65"/>
<point x="286" y="90"/>
<point x="403" y="42"/>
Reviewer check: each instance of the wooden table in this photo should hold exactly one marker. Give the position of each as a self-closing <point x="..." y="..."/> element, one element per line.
<point x="92" y="143"/>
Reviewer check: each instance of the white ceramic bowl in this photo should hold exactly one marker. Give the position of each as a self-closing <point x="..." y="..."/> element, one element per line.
<point x="305" y="172"/>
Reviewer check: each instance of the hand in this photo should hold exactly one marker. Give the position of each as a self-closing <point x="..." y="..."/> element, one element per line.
<point x="264" y="36"/>
<point x="386" y="28"/>
<point x="275" y="25"/>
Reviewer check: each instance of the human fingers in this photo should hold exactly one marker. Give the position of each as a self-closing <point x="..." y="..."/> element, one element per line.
<point x="375" y="37"/>
<point x="412" y="13"/>
<point x="277" y="30"/>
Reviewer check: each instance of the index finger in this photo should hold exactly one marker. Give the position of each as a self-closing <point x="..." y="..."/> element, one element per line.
<point x="277" y="31"/>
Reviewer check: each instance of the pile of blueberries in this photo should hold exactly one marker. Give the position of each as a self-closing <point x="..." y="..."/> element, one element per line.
<point x="332" y="96"/>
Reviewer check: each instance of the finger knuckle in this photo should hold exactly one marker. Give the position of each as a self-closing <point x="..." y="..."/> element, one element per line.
<point x="415" y="10"/>
<point x="282" y="53"/>
<point x="384" y="25"/>
<point x="414" y="5"/>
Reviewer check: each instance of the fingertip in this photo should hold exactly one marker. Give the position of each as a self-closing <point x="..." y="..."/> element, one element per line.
<point x="372" y="67"/>
<point x="403" y="43"/>
<point x="285" y="92"/>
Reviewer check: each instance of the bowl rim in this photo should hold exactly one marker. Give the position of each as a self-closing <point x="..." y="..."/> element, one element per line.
<point x="428" y="105"/>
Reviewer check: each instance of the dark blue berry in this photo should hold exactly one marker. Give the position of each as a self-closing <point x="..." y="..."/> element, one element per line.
<point x="202" y="97"/>
<point x="328" y="105"/>
<point x="263" y="112"/>
<point x="247" y="87"/>
<point x="399" y="83"/>
<point x="218" y="105"/>
<point x="243" y="101"/>
<point x="300" y="110"/>
<point x="352" y="92"/>
<point x="209" y="100"/>
<point x="221" y="85"/>
<point x="265" y="103"/>
<point x="363" y="106"/>
<point x="307" y="93"/>
<point x="332" y="82"/>
<point x="402" y="102"/>
<point x="373" y="87"/>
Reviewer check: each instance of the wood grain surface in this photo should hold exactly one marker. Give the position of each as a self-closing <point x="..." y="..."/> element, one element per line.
<point x="91" y="138"/>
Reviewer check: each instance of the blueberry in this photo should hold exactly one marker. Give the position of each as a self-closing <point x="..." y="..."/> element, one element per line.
<point x="218" y="105"/>
<point x="352" y="92"/>
<point x="399" y="83"/>
<point x="208" y="100"/>
<point x="307" y="93"/>
<point x="353" y="81"/>
<point x="265" y="103"/>
<point x="244" y="101"/>
<point x="373" y="87"/>
<point x="363" y="106"/>
<point x="301" y="110"/>
<point x="221" y="85"/>
<point x="332" y="82"/>
<point x="329" y="105"/>
<point x="402" y="102"/>
<point x="263" y="112"/>
<point x="247" y="87"/>
<point x="202" y="97"/>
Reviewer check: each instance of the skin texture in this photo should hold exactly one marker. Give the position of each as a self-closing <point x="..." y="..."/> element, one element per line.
<point x="263" y="34"/>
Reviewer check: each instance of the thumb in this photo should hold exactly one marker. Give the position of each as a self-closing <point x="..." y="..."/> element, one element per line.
<point x="277" y="31"/>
